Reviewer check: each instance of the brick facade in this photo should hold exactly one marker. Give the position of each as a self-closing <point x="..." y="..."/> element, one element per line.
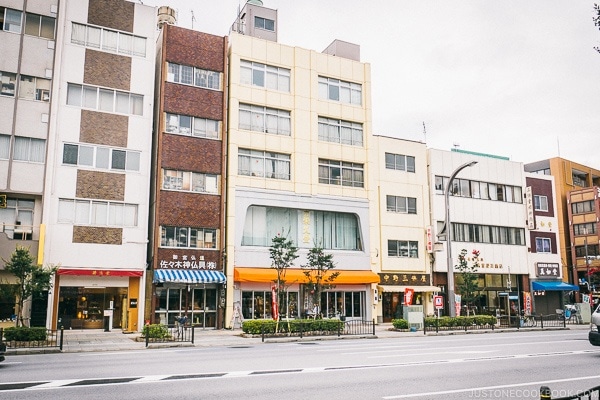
<point x="115" y="14"/>
<point x="100" y="185"/>
<point x="189" y="100"/>
<point x="189" y="209"/>
<point x="206" y="53"/>
<point x="191" y="154"/>
<point x="108" y="70"/>
<point x="102" y="128"/>
<point x="97" y="235"/>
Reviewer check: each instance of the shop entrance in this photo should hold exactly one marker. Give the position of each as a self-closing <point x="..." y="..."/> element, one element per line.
<point x="392" y="305"/>
<point x="83" y="307"/>
<point x="198" y="304"/>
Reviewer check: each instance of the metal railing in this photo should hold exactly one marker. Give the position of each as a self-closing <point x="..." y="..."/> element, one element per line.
<point x="53" y="338"/>
<point x="506" y="322"/>
<point x="354" y="327"/>
<point x="178" y="333"/>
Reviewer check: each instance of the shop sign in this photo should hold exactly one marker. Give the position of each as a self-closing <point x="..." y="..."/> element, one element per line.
<point x="529" y="206"/>
<point x="404" y="279"/>
<point x="409" y="294"/>
<point x="186" y="262"/>
<point x="547" y="270"/>
<point x="438" y="302"/>
<point x="133" y="303"/>
<point x="457" y="301"/>
<point x="527" y="300"/>
<point x="429" y="240"/>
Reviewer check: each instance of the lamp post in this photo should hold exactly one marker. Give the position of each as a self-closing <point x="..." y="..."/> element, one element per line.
<point x="447" y="228"/>
<point x="587" y="266"/>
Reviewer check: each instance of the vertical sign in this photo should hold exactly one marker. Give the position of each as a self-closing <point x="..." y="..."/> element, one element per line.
<point x="529" y="205"/>
<point x="457" y="300"/>
<point x="408" y="296"/>
<point x="429" y="239"/>
<point x="274" y="308"/>
<point x="527" y="300"/>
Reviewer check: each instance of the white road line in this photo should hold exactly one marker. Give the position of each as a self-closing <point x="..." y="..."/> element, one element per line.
<point x="54" y="384"/>
<point x="485" y="388"/>
<point x="151" y="378"/>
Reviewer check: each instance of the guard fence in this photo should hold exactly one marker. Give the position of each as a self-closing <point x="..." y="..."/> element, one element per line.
<point x="177" y="333"/>
<point x="505" y="321"/>
<point x="354" y="327"/>
<point x="23" y="338"/>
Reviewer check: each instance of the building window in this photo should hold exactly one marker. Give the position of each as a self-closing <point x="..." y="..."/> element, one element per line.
<point x="29" y="149"/>
<point x="400" y="204"/>
<point x="193" y="76"/>
<point x="588" y="228"/>
<point x="4" y="147"/>
<point x="187" y="237"/>
<point x="328" y="229"/>
<point x="101" y="157"/>
<point x="192" y="126"/>
<point x="338" y="131"/>
<point x="337" y="90"/>
<point x="9" y="82"/>
<point x="542" y="245"/>
<point x="400" y="162"/>
<point x="108" y="40"/>
<point x="262" y="75"/>
<point x="583" y="207"/>
<point x="32" y="88"/>
<point x="341" y="173"/>
<point x="39" y="25"/>
<point x="264" y="119"/>
<point x="592" y="250"/>
<point x="264" y="23"/>
<point x="97" y="213"/>
<point x="264" y="164"/>
<point x="107" y="100"/>
<point x="189" y="181"/>
<point x="488" y="234"/>
<point x="479" y="190"/>
<point x="17" y="218"/>
<point x="540" y="203"/>
<point x="403" y="248"/>
<point x="11" y="20"/>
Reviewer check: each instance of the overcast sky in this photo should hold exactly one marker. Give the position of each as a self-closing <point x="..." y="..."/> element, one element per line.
<point x="512" y="78"/>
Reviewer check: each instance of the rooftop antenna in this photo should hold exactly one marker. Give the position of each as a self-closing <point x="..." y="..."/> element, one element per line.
<point x="424" y="132"/>
<point x="456" y="145"/>
<point x="193" y="18"/>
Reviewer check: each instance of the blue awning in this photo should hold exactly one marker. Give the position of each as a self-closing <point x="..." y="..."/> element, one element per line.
<point x="553" y="285"/>
<point x="188" y="276"/>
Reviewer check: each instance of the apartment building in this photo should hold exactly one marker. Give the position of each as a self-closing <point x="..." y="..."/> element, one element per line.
<point x="403" y="239"/>
<point x="487" y="214"/>
<point x="568" y="176"/>
<point x="27" y="44"/>
<point x="298" y="166"/>
<point x="187" y="203"/>
<point x="96" y="199"/>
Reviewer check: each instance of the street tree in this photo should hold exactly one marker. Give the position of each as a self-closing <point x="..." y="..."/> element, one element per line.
<point x="319" y="276"/>
<point x="596" y="19"/>
<point x="283" y="253"/>
<point x="32" y="279"/>
<point x="467" y="284"/>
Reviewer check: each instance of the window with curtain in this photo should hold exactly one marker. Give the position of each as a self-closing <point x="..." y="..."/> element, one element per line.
<point x="264" y="164"/>
<point x="264" y="119"/>
<point x="105" y="39"/>
<point x="104" y="99"/>
<point x="188" y="237"/>
<point x="101" y="157"/>
<point x="4" y="147"/>
<point x="339" y="131"/>
<point x="338" y="90"/>
<point x="29" y="149"/>
<point x="97" y="213"/>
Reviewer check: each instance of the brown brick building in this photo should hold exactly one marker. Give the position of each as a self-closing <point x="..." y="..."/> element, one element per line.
<point x="187" y="194"/>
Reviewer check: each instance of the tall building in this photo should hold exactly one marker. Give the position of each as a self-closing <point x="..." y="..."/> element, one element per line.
<point x="298" y="166"/>
<point x="568" y="176"/>
<point x="487" y="214"/>
<point x="98" y="169"/>
<point x="187" y="204"/>
<point x="403" y="255"/>
<point x="27" y="44"/>
<point x="545" y="271"/>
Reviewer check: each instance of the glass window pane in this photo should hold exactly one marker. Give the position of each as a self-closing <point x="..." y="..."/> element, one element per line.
<point x="118" y="159"/>
<point x="99" y="213"/>
<point x="137" y="104"/>
<point x="139" y="46"/>
<point x="133" y="161"/>
<point x="125" y="43"/>
<point x="12" y="22"/>
<point x="32" y="24"/>
<point x="78" y="34"/>
<point x="47" y="30"/>
<point x="93" y="37"/>
<point x="82" y="212"/>
<point x="90" y="97"/>
<point x="86" y="155"/>
<point x="110" y="40"/>
<point x="106" y="100"/>
<point x="70" y="154"/>
<point x="74" y="95"/>
<point x="66" y="210"/>
<point x="122" y="105"/>
<point x="102" y="157"/>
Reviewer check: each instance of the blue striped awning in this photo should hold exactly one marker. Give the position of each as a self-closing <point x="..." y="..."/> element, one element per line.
<point x="188" y="276"/>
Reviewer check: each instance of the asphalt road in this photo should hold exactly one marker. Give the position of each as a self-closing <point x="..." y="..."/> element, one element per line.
<point x="493" y="366"/>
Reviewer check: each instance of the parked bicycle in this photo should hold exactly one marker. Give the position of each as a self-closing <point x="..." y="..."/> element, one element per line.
<point x="569" y="314"/>
<point x="528" y="320"/>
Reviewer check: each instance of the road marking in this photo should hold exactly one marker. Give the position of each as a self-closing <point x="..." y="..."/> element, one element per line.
<point x="484" y="388"/>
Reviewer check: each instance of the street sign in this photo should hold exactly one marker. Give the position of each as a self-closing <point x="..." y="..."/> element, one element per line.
<point x="438" y="302"/>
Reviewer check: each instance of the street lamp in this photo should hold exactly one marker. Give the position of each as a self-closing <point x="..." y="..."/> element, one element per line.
<point x="447" y="228"/>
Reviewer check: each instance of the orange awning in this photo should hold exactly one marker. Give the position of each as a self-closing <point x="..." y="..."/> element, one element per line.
<point x="295" y="275"/>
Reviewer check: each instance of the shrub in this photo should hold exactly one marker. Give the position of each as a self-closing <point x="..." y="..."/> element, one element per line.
<point x="24" y="334"/>
<point x="400" y="323"/>
<point x="461" y="321"/>
<point x="156" y="331"/>
<point x="258" y="326"/>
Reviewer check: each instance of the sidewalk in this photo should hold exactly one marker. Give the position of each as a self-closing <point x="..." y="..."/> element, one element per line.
<point x="76" y="341"/>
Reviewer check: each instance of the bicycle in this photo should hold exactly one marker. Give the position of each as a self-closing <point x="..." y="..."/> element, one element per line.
<point x="528" y="321"/>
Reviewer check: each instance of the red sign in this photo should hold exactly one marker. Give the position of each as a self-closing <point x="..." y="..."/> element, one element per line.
<point x="438" y="302"/>
<point x="527" y="300"/>
<point x="274" y="308"/>
<point x="409" y="294"/>
<point x="99" y="272"/>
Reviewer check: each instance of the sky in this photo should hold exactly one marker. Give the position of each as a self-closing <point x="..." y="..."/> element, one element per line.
<point x="512" y="78"/>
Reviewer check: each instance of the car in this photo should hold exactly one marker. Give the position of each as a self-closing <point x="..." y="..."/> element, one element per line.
<point x="594" y="334"/>
<point x="2" y="350"/>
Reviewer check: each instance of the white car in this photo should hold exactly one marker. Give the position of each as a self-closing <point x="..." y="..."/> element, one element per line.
<point x="594" y="335"/>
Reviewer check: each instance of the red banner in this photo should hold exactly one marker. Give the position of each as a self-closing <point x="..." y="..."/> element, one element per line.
<point x="527" y="300"/>
<point x="274" y="308"/>
<point x="409" y="294"/>
<point x="99" y="272"/>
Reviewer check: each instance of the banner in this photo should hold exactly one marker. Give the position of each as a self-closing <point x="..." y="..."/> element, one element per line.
<point x="274" y="308"/>
<point x="409" y="294"/>
<point x="457" y="300"/>
<point x="528" y="305"/>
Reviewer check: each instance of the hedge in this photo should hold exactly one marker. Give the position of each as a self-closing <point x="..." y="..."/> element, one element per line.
<point x="400" y="323"/>
<point x="24" y="334"/>
<point x="156" y="331"/>
<point x="258" y="326"/>
<point x="462" y="321"/>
